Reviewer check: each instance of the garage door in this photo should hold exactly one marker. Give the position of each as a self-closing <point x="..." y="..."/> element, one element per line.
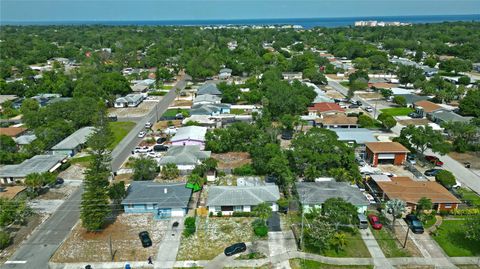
<point x="385" y="156"/>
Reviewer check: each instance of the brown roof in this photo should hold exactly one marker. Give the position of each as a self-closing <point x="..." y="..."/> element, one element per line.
<point x="12" y="131"/>
<point x="12" y="192"/>
<point x="404" y="188"/>
<point x="428" y="106"/>
<point x="337" y="120"/>
<point x="325" y="107"/>
<point x="386" y="147"/>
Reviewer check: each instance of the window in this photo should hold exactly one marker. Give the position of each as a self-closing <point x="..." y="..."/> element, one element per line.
<point x="130" y="206"/>
<point x="238" y="208"/>
<point x="448" y="205"/>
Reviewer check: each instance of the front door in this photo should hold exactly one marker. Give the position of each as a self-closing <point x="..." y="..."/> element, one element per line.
<point x="164" y="213"/>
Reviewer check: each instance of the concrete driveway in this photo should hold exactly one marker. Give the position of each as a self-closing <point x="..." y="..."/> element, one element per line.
<point x="167" y="251"/>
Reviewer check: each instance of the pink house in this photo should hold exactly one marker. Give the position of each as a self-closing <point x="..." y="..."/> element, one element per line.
<point x="190" y="135"/>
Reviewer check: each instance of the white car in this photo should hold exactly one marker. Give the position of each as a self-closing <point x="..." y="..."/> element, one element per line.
<point x="368" y="109"/>
<point x="142" y="150"/>
<point x="142" y="134"/>
<point x="153" y="155"/>
<point x="369" y="198"/>
<point x="170" y="130"/>
<point x="148" y="125"/>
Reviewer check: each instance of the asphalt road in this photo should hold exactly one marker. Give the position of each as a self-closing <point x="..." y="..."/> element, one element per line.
<point x="42" y="244"/>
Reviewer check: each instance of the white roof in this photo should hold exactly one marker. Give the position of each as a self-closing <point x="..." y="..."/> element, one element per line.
<point x="203" y="119"/>
<point x="74" y="140"/>
<point x="190" y="133"/>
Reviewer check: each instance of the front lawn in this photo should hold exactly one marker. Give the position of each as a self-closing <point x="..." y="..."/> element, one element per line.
<point x="345" y="84"/>
<point x="355" y="247"/>
<point x="120" y="129"/>
<point x="389" y="244"/>
<point x="470" y="197"/>
<point x="212" y="237"/>
<point x="309" y="264"/>
<point x="237" y="111"/>
<point x="173" y="112"/>
<point x="451" y="237"/>
<point x="397" y="111"/>
<point x="83" y="161"/>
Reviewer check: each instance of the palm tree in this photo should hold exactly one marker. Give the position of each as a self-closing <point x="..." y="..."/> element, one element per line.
<point x="395" y="207"/>
<point x="339" y="240"/>
<point x="34" y="181"/>
<point x="263" y="211"/>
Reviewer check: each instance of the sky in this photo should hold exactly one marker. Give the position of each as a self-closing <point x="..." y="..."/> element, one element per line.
<point x="130" y="10"/>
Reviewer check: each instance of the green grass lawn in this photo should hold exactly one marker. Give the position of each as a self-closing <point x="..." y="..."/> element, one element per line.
<point x="430" y="222"/>
<point x="397" y="111"/>
<point x="451" y="237"/>
<point x="83" y="161"/>
<point x="120" y="129"/>
<point x="174" y="112"/>
<point x="237" y="111"/>
<point x="309" y="264"/>
<point x="471" y="197"/>
<point x="345" y="84"/>
<point x="389" y="244"/>
<point x="355" y="248"/>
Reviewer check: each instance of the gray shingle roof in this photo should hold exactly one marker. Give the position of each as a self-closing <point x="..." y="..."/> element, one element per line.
<point x="36" y="164"/>
<point x="359" y="135"/>
<point x="446" y="116"/>
<point x="207" y="109"/>
<point x="190" y="133"/>
<point x="209" y="88"/>
<point x="164" y="195"/>
<point x="184" y="155"/>
<point x="79" y="137"/>
<point x="316" y="193"/>
<point x="25" y="139"/>
<point x="235" y="195"/>
<point x="207" y="98"/>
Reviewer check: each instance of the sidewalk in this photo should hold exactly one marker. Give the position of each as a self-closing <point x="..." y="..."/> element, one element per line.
<point x="280" y="243"/>
<point x="379" y="259"/>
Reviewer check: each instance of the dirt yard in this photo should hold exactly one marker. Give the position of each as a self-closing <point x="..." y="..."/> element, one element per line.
<point x="232" y="160"/>
<point x="212" y="238"/>
<point x="369" y="95"/>
<point x="182" y="102"/>
<point x="472" y="157"/>
<point x="139" y="111"/>
<point x="83" y="246"/>
<point x="164" y="124"/>
<point x="334" y="94"/>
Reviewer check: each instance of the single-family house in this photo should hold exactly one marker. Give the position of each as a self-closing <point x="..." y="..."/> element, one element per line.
<point x="207" y="99"/>
<point x="229" y="199"/>
<point x="443" y="116"/>
<point x="337" y="121"/>
<point x="185" y="157"/>
<point x="209" y="88"/>
<point x="12" y="131"/>
<point x="386" y="153"/>
<point x="129" y="100"/>
<point x="225" y="73"/>
<point x="210" y="109"/>
<point x="411" y="191"/>
<point x="25" y="139"/>
<point x="359" y="136"/>
<point x="425" y="107"/>
<point x="292" y="75"/>
<point x="139" y="88"/>
<point x="190" y="135"/>
<point x="36" y="164"/>
<point x="325" y="108"/>
<point x="162" y="200"/>
<point x="74" y="142"/>
<point x="314" y="194"/>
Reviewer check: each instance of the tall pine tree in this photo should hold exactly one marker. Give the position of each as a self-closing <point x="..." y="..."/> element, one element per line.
<point x="95" y="201"/>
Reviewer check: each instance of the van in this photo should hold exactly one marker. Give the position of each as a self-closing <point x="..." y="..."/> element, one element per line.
<point x="362" y="221"/>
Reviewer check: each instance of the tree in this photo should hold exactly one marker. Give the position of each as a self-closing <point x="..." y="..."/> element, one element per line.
<point x="263" y="211"/>
<point x="144" y="168"/>
<point x="339" y="241"/>
<point x="423" y="204"/>
<point x="470" y="104"/>
<point x="421" y="138"/>
<point x="472" y="228"/>
<point x="446" y="178"/>
<point x="463" y="135"/>
<point x="169" y="171"/>
<point x="357" y="85"/>
<point x="339" y="212"/>
<point x="409" y="74"/>
<point x="395" y="207"/>
<point x="95" y="204"/>
<point x="400" y="100"/>
<point x="29" y="106"/>
<point x="195" y="179"/>
<point x="365" y="121"/>
<point x="318" y="232"/>
<point x="386" y="92"/>
<point x="36" y="180"/>
<point x="362" y="63"/>
<point x="7" y="144"/>
<point x="116" y="192"/>
<point x="464" y="80"/>
<point x="456" y="65"/>
<point x="388" y="121"/>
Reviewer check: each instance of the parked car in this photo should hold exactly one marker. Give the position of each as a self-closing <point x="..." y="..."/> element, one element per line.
<point x="414" y="223"/>
<point x="368" y="109"/>
<point x="287" y="135"/>
<point x="170" y="130"/>
<point x="360" y="161"/>
<point x="145" y="239"/>
<point x="369" y="198"/>
<point x="59" y="181"/>
<point x="354" y="106"/>
<point x="160" y="148"/>
<point x="153" y="155"/>
<point x="375" y="222"/>
<point x="411" y="159"/>
<point x="148" y="125"/>
<point x="161" y="140"/>
<point x="434" y="160"/>
<point x="362" y="221"/>
<point x="414" y="115"/>
<point x="142" y="134"/>
<point x="359" y="103"/>
<point x="179" y="116"/>
<point x="141" y="150"/>
<point x="235" y="248"/>
<point x="432" y="172"/>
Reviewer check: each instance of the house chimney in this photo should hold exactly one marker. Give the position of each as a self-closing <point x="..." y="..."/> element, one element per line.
<point x="165" y="190"/>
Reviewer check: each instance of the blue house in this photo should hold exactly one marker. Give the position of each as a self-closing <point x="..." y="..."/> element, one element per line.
<point x="210" y="109"/>
<point x="162" y="200"/>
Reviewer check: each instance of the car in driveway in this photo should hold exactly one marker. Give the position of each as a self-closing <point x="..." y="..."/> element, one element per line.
<point x="411" y="159"/>
<point x="141" y="150"/>
<point x="375" y="222"/>
<point x="235" y="248"/>
<point x="160" y="148"/>
<point x="145" y="239"/>
<point x="161" y="140"/>
<point x="170" y="130"/>
<point x="414" y="223"/>
<point x="142" y="134"/>
<point x="369" y="197"/>
<point x="414" y="115"/>
<point x="432" y="172"/>
<point x="434" y="160"/>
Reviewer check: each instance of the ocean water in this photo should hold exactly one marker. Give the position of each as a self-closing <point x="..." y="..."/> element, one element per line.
<point x="304" y="22"/>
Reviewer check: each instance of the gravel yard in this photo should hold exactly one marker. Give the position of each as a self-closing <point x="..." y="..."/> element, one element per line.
<point x="83" y="246"/>
<point x="74" y="172"/>
<point x="231" y="160"/>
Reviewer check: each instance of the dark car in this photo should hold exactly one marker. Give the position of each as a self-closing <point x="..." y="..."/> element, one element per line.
<point x="161" y="140"/>
<point x="359" y="103"/>
<point x="235" y="248"/>
<point x="145" y="239"/>
<point x="414" y="223"/>
<point x="160" y="148"/>
<point x="175" y="224"/>
<point x="434" y="160"/>
<point x="354" y="106"/>
<point x="414" y="115"/>
<point x="432" y="172"/>
<point x="179" y="116"/>
<point x="287" y="135"/>
<point x="59" y="181"/>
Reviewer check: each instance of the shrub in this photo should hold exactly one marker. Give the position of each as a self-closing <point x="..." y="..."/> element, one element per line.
<point x="244" y="170"/>
<point x="219" y="214"/>
<point x="158" y="93"/>
<point x="446" y="178"/>
<point x="4" y="240"/>
<point x="242" y="214"/>
<point x="444" y="213"/>
<point x="189" y="226"/>
<point x="260" y="228"/>
<point x="210" y="214"/>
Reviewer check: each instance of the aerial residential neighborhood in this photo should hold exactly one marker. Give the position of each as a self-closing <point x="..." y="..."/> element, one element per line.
<point x="240" y="146"/>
